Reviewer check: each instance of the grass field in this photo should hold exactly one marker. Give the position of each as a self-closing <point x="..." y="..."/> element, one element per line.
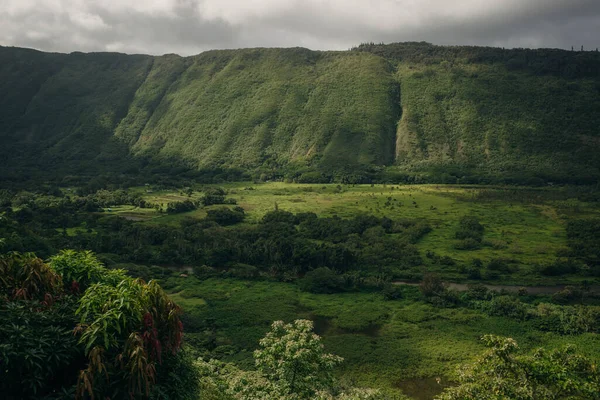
<point x="520" y="229"/>
<point x="398" y="346"/>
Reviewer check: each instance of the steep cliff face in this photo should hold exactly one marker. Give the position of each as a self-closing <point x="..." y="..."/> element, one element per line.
<point x="483" y="117"/>
<point x="245" y="108"/>
<point x="412" y="107"/>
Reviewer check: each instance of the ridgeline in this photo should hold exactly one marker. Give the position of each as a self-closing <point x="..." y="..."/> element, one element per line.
<point x="404" y="112"/>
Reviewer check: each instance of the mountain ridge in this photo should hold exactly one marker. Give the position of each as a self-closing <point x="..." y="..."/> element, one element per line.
<point x="413" y="108"/>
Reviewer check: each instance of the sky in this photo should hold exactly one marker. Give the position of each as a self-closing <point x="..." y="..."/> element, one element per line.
<point x="189" y="27"/>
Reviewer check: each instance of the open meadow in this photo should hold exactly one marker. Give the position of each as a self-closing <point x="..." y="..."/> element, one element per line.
<point x="525" y="227"/>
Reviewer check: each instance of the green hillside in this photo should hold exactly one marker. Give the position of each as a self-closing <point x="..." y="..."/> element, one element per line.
<point x="266" y="107"/>
<point x="450" y="114"/>
<point x="499" y="112"/>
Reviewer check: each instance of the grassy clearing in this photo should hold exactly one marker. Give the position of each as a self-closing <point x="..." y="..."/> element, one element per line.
<point x="392" y="345"/>
<point x="530" y="233"/>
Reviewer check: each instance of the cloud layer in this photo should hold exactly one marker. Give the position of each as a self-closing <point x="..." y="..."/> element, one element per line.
<point x="192" y="26"/>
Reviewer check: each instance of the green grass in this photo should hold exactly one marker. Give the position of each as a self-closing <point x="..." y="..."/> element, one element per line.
<point x="385" y="344"/>
<point x="530" y="233"/>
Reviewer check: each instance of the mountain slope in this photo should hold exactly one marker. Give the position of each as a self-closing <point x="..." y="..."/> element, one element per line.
<point x="450" y="112"/>
<point x="250" y="107"/>
<point x="499" y="112"/>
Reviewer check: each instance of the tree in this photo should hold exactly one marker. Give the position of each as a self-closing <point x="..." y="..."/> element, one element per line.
<point x="432" y="285"/>
<point x="322" y="280"/>
<point x="291" y="364"/>
<point x="293" y="356"/>
<point x="74" y="314"/>
<point x="503" y="373"/>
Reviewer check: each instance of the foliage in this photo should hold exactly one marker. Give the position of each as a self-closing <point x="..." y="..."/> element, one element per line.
<point x="26" y="277"/>
<point x="293" y="356"/>
<point x="125" y="327"/>
<point x="322" y="280"/>
<point x="503" y="373"/>
<point x="37" y="347"/>
<point x="290" y="364"/>
<point x="213" y="195"/>
<point x="432" y="285"/>
<point x="80" y="269"/>
<point x="225" y="216"/>
<point x="583" y="236"/>
<point x="181" y="207"/>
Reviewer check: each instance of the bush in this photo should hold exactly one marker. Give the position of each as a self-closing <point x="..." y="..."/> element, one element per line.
<point x="560" y="267"/>
<point x="567" y="295"/>
<point x="501" y="265"/>
<point x="226" y="216"/>
<point x="477" y="292"/>
<point x="313" y="177"/>
<point x="467" y="244"/>
<point x="473" y="273"/>
<point x="392" y="292"/>
<point x="506" y="306"/>
<point x="213" y="196"/>
<point x="243" y="271"/>
<point x="279" y="216"/>
<point x="469" y="228"/>
<point x="204" y="272"/>
<point x="322" y="280"/>
<point x="36" y="348"/>
<point x="432" y="285"/>
<point x="107" y="329"/>
<point x="181" y="207"/>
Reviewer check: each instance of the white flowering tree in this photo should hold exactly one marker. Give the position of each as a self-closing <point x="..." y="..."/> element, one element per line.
<point x="293" y="357"/>
<point x="291" y="365"/>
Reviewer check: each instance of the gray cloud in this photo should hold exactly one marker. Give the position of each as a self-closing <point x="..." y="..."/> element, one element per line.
<point x="192" y="26"/>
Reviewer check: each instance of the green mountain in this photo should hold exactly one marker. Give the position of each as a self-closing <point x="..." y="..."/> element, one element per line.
<point x="466" y="113"/>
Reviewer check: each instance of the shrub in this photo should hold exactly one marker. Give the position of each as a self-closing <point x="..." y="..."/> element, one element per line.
<point x="473" y="273"/>
<point x="477" y="292"/>
<point x="469" y="228"/>
<point x="181" y="206"/>
<point x="123" y="328"/>
<point x="26" y="277"/>
<point x="322" y="280"/>
<point x="243" y="271"/>
<point x="467" y="244"/>
<point x="503" y="373"/>
<point x="204" y="272"/>
<point x="279" y="216"/>
<point x="392" y="292"/>
<point x="567" y="295"/>
<point x="213" y="196"/>
<point x="431" y="285"/>
<point x="501" y="265"/>
<point x="506" y="306"/>
<point x="560" y="267"/>
<point x="226" y="216"/>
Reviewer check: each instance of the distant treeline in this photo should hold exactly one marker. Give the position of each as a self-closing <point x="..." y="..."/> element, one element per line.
<point x="568" y="64"/>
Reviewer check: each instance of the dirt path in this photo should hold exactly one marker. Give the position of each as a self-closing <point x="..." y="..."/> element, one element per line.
<point x="509" y="288"/>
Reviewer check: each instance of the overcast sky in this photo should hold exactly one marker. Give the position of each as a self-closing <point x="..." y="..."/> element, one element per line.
<point x="192" y="26"/>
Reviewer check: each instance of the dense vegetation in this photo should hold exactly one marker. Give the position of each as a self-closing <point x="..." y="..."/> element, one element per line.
<point x="383" y="233"/>
<point x="429" y="113"/>
<point x="72" y="328"/>
<point x="235" y="260"/>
